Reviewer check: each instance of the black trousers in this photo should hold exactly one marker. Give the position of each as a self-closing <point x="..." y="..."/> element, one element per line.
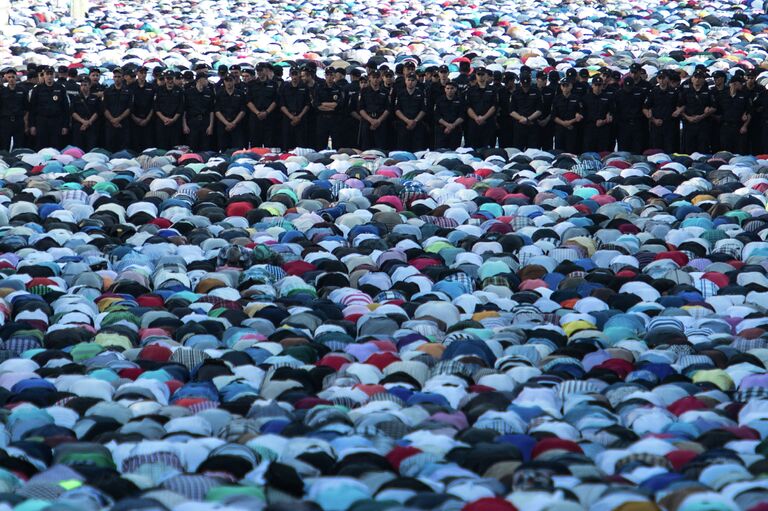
<point x="411" y="140"/>
<point x="506" y="132"/>
<point x="167" y="137"/>
<point x="631" y="135"/>
<point x="730" y="139"/>
<point x="261" y="132"/>
<point x="85" y="140"/>
<point x="116" y="139"/>
<point x="293" y="136"/>
<point x="327" y="127"/>
<point x="525" y="136"/>
<point x="665" y="137"/>
<point x="450" y="141"/>
<point x="49" y="132"/>
<point x="568" y="140"/>
<point x="12" y="128"/>
<point x="372" y="139"/>
<point x="597" y="138"/>
<point x="696" y="137"/>
<point x="546" y="134"/>
<point x="198" y="139"/>
<point x="234" y="139"/>
<point x="481" y="135"/>
<point x="142" y="137"/>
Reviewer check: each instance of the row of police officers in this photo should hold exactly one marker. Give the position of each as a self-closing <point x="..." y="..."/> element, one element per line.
<point x="407" y="110"/>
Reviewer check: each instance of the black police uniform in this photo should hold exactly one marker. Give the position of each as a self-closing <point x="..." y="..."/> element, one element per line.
<point x="565" y="109"/>
<point x="410" y="105"/>
<point x="547" y="126"/>
<point x="85" y="107"/>
<point x="295" y="100"/>
<point x="731" y="110"/>
<point x="14" y="105"/>
<point x="116" y="101"/>
<point x="525" y="103"/>
<point x="662" y="103"/>
<point x="506" y="123"/>
<point x="449" y="110"/>
<point x="631" y="123"/>
<point x="143" y="102"/>
<point x="230" y="106"/>
<point x="198" y="107"/>
<point x="374" y="103"/>
<point x="169" y="103"/>
<point x="695" y="135"/>
<point x="49" y="114"/>
<point x="261" y="94"/>
<point x="480" y="100"/>
<point x="759" y="115"/>
<point x="351" y="135"/>
<point x="596" y="108"/>
<point x="328" y="124"/>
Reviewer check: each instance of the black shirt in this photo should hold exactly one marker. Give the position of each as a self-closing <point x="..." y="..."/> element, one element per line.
<point x="410" y="104"/>
<point x="294" y="98"/>
<point x="374" y="102"/>
<point x="596" y="107"/>
<point x="564" y="108"/>
<point x="262" y="94"/>
<point x="325" y="93"/>
<point x="548" y="94"/>
<point x="116" y="101"/>
<point x="629" y="104"/>
<point x="732" y="108"/>
<point x="198" y="103"/>
<point x="695" y="102"/>
<point x="481" y="99"/>
<point x="143" y="99"/>
<point x="169" y="102"/>
<point x="449" y="110"/>
<point x="525" y="103"/>
<point x="13" y="103"/>
<point x="230" y="105"/>
<point x="49" y="101"/>
<point x="85" y="107"/>
<point x="662" y="103"/>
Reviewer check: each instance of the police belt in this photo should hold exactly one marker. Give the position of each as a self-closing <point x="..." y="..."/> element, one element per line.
<point x="374" y="115"/>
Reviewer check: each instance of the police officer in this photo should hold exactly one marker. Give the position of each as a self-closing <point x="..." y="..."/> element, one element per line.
<point x="329" y="99"/>
<point x="733" y="109"/>
<point x="481" y="111"/>
<point x="97" y="88"/>
<point x="525" y="109"/>
<point x="696" y="105"/>
<point x="14" y="111"/>
<point x="410" y="106"/>
<point x="450" y="110"/>
<point x="48" y="112"/>
<point x="197" y="124"/>
<point x="549" y="88"/>
<point x="663" y="117"/>
<point x="294" y="106"/>
<point x="72" y="85"/>
<point x="632" y="124"/>
<point x="85" y="115"/>
<point x="505" y="122"/>
<point x="309" y="77"/>
<point x="168" y="107"/>
<point x="230" y="112"/>
<point x="353" y="102"/>
<point x="262" y="101"/>
<point x="566" y="113"/>
<point x="754" y="90"/>
<point x="116" y="104"/>
<point x="374" y="108"/>
<point x="598" y="116"/>
<point x="142" y="113"/>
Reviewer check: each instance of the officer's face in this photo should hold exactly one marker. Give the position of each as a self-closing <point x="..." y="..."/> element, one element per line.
<point x="482" y="78"/>
<point x="735" y="86"/>
<point x="236" y="74"/>
<point x="450" y="91"/>
<point x="160" y="80"/>
<point x="129" y="79"/>
<point x="142" y="75"/>
<point x="410" y="83"/>
<point x="375" y="81"/>
<point x="229" y="85"/>
<point x="48" y="77"/>
<point x="566" y="88"/>
<point x="597" y="88"/>
<point x="247" y="77"/>
<point x="95" y="77"/>
<point x="11" y="79"/>
<point x="305" y="76"/>
<point x="118" y="78"/>
<point x="330" y="78"/>
<point x="85" y="87"/>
